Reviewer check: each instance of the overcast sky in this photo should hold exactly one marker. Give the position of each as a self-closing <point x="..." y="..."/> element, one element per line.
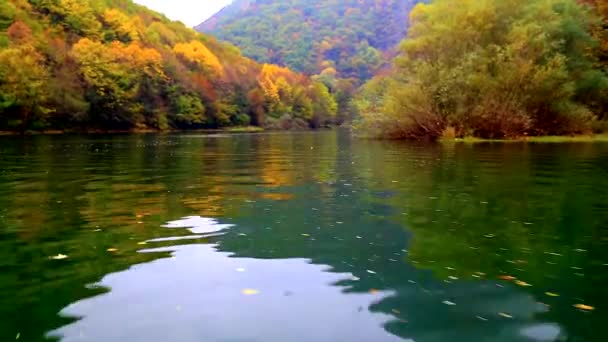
<point x="190" y="12"/>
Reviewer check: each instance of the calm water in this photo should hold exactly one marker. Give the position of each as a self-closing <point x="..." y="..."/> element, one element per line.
<point x="301" y="237"/>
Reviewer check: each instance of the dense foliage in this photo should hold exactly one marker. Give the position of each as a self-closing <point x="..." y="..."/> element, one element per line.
<point x="111" y="64"/>
<point x="347" y="37"/>
<point x="493" y="69"/>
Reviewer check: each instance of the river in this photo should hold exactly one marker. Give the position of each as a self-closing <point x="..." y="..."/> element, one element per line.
<point x="301" y="237"/>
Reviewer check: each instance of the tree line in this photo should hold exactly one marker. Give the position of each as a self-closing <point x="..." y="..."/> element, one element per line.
<point x="114" y="65"/>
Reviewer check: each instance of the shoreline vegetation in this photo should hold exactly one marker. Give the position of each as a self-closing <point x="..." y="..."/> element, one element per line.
<point x="534" y="139"/>
<point x="486" y="69"/>
<point x="113" y="65"/>
<point x="233" y="129"/>
<point x="494" y="69"/>
<point x="582" y="138"/>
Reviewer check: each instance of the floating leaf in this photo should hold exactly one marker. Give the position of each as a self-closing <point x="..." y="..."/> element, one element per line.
<point x="373" y="291"/>
<point x="584" y="307"/>
<point x="506" y="277"/>
<point x="142" y="243"/>
<point x="306" y="235"/>
<point x="112" y="250"/>
<point x="59" y="257"/>
<point x="371" y="272"/>
<point x="505" y="315"/>
<point x="250" y="292"/>
<point x="522" y="283"/>
<point x="551" y="294"/>
<point x="447" y="302"/>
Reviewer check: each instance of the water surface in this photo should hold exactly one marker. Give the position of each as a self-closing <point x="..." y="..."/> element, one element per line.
<point x="301" y="237"/>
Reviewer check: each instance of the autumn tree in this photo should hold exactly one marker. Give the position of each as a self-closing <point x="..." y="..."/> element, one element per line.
<point x="120" y="26"/>
<point x="23" y="79"/>
<point x="94" y="64"/>
<point x="197" y="53"/>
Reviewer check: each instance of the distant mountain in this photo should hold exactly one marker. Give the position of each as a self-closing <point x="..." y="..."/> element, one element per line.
<point x="350" y="38"/>
<point x="236" y="7"/>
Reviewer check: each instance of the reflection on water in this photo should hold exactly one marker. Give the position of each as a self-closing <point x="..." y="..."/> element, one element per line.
<point x="289" y="237"/>
<point x="202" y="280"/>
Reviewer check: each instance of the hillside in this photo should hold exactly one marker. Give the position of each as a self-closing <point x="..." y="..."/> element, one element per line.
<point x="350" y="37"/>
<point x="114" y="65"/>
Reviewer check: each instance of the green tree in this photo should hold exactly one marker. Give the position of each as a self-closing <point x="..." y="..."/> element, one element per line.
<point x="490" y="68"/>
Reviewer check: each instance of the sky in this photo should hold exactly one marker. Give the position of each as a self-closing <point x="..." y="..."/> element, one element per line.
<point x="190" y="12"/>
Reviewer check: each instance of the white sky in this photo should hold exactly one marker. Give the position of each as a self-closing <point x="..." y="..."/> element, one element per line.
<point x="190" y="12"/>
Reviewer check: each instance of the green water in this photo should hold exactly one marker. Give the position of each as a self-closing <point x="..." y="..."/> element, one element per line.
<point x="301" y="237"/>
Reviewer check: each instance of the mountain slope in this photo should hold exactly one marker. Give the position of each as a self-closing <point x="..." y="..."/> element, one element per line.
<point x="112" y="64"/>
<point x="234" y="9"/>
<point x="348" y="36"/>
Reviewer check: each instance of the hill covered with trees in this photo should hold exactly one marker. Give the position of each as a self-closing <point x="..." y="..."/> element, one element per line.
<point x="346" y="38"/>
<point x="494" y="69"/>
<point x="114" y="65"/>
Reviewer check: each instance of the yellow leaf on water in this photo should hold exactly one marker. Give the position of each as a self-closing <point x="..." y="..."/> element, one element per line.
<point x="522" y="283"/>
<point x="584" y="307"/>
<point x="59" y="257"/>
<point x="250" y="292"/>
<point x="112" y="249"/>
<point x="506" y="277"/>
<point x="142" y="243"/>
<point x="551" y="294"/>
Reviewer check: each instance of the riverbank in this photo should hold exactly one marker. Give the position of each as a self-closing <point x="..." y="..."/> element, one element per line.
<point x="240" y="129"/>
<point x="538" y="139"/>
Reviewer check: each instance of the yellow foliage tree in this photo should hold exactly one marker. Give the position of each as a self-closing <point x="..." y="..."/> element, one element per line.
<point x="274" y="80"/>
<point x="125" y="27"/>
<point x="197" y="52"/>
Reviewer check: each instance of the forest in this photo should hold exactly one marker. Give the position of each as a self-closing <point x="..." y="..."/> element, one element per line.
<point x="494" y="69"/>
<point x="402" y="69"/>
<point x="112" y="65"/>
<point x="349" y="38"/>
